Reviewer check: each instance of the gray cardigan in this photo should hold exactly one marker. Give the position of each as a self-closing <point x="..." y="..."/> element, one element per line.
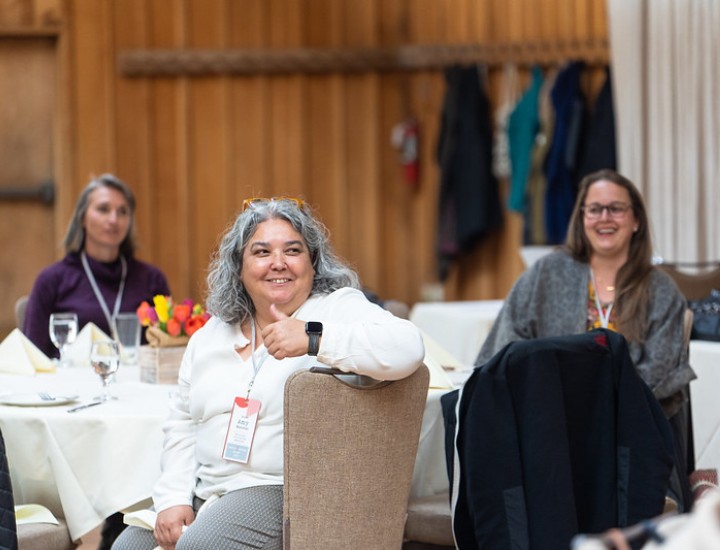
<point x="550" y="299"/>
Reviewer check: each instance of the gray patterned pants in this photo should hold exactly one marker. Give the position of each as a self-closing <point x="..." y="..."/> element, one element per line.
<point x="245" y="519"/>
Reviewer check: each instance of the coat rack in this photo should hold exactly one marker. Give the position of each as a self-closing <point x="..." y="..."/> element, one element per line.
<point x="198" y="62"/>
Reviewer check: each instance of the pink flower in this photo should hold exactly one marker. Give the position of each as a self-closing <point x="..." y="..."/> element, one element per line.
<point x="146" y="314"/>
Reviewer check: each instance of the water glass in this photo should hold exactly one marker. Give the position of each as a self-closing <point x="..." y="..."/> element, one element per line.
<point x="105" y="361"/>
<point x="126" y="330"/>
<point x="63" y="329"/>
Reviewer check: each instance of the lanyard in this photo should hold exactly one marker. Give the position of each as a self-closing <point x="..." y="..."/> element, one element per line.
<point x="603" y="313"/>
<point x="99" y="296"/>
<point x="256" y="366"/>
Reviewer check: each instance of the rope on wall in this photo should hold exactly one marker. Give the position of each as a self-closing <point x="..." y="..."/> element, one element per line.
<point x="196" y="62"/>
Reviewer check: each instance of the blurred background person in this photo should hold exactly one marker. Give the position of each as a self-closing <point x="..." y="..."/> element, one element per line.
<point x="98" y="277"/>
<point x="604" y="277"/>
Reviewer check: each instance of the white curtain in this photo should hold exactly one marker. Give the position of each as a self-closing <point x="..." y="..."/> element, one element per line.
<point x="665" y="56"/>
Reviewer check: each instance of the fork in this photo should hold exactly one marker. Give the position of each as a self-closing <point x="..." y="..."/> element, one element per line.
<point x="46" y="396"/>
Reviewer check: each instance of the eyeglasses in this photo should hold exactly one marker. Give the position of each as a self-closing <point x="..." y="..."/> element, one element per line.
<point x="615" y="210"/>
<point x="251" y="203"/>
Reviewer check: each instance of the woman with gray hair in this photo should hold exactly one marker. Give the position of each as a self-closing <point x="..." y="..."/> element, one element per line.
<point x="281" y="301"/>
<point x="99" y="275"/>
<point x="229" y="299"/>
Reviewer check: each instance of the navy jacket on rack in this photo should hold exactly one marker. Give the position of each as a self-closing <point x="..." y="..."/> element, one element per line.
<point x="555" y="437"/>
<point x="560" y="163"/>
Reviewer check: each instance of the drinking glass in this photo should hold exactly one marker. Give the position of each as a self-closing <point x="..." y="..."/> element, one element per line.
<point x="63" y="331"/>
<point x="105" y="360"/>
<point x="126" y="330"/>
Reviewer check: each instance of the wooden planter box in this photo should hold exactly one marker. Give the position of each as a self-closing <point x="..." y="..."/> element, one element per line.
<point x="160" y="365"/>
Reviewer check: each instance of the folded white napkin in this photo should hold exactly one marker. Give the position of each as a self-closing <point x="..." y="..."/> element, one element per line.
<point x="18" y="355"/>
<point x="437" y="359"/>
<point x="33" y="513"/>
<point x="141" y="518"/>
<point x="79" y="351"/>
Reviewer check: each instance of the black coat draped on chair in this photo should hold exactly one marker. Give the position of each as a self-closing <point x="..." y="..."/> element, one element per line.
<point x="555" y="437"/>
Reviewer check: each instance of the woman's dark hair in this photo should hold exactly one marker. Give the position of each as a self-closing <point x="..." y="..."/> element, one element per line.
<point x="632" y="283"/>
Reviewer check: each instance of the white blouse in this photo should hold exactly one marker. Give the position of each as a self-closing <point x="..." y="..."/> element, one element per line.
<point x="358" y="336"/>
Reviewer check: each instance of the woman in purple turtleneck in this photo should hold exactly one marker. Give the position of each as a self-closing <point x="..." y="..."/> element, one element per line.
<point x="99" y="276"/>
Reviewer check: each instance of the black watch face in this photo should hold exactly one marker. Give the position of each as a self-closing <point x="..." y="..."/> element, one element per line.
<point x="313" y="327"/>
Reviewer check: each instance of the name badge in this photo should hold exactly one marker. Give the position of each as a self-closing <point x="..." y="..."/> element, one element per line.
<point x="241" y="429"/>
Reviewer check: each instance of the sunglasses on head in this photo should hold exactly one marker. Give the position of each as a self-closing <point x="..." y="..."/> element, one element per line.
<point x="253" y="202"/>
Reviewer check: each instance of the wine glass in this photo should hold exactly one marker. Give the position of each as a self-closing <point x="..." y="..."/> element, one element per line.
<point x="105" y="360"/>
<point x="63" y="331"/>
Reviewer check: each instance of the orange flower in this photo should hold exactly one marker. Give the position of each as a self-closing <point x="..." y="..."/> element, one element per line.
<point x="181" y="313"/>
<point x="194" y="323"/>
<point x="174" y="328"/>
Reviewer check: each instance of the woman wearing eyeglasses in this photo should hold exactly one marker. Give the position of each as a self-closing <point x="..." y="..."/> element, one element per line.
<point x="604" y="277"/>
<point x="281" y="301"/>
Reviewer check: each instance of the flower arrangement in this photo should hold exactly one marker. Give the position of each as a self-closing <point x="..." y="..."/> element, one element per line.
<point x="175" y="319"/>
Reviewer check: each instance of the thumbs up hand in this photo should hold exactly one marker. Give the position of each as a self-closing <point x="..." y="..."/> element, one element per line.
<point x="285" y="336"/>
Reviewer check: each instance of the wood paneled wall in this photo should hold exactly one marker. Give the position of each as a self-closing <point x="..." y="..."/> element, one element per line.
<point x="194" y="147"/>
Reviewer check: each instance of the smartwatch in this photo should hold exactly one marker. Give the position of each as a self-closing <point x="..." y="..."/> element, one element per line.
<point x="314" y="331"/>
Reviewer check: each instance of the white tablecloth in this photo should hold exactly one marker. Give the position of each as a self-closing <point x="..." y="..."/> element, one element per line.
<point x="430" y="474"/>
<point x="460" y="327"/>
<point x="86" y="465"/>
<point x="704" y="393"/>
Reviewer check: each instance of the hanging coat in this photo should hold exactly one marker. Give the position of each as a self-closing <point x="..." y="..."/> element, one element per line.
<point x="598" y="143"/>
<point x="523" y="128"/>
<point x="560" y="163"/>
<point x="469" y="202"/>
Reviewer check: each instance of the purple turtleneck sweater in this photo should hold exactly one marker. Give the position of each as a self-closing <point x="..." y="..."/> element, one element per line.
<point x="64" y="286"/>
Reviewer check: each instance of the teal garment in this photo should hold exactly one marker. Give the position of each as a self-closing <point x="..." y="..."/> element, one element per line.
<point x="523" y="126"/>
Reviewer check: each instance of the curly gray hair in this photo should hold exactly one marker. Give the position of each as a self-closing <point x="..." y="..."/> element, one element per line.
<point x="227" y="297"/>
